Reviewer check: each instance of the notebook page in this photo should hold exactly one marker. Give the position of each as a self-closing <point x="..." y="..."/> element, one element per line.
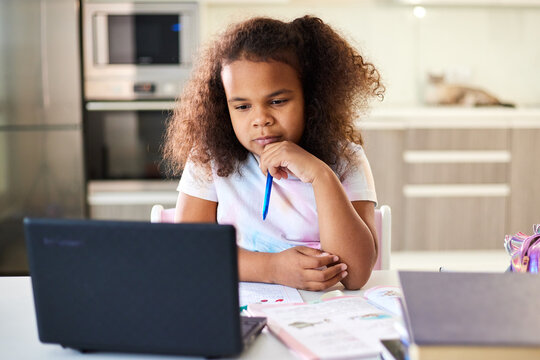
<point x="261" y="293"/>
<point x="340" y="328"/>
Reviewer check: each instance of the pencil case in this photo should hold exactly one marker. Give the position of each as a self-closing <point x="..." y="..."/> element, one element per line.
<point x="524" y="251"/>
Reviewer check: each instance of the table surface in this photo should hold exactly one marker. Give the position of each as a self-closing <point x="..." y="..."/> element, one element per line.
<point x="19" y="338"/>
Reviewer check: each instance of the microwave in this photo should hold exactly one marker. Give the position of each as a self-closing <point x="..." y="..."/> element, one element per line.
<point x="135" y="50"/>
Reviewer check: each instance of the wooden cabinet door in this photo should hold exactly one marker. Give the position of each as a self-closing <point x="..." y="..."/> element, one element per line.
<point x="456" y="188"/>
<point x="384" y="149"/>
<point x="524" y="209"/>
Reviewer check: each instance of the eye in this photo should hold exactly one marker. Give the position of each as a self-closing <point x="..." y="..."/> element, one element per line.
<point x="242" y="107"/>
<point x="278" y="101"/>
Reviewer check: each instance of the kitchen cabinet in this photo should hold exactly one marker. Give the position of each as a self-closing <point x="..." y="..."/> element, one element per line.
<point x="384" y="148"/>
<point x="524" y="207"/>
<point x="455" y="178"/>
<point x="455" y="187"/>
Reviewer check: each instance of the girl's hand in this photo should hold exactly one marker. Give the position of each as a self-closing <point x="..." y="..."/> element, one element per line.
<point x="284" y="157"/>
<point x="306" y="268"/>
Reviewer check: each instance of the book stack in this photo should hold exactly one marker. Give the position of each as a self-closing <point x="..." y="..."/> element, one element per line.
<point x="472" y="315"/>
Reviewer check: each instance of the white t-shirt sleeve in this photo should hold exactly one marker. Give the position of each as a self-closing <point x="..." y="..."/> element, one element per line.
<point x="358" y="183"/>
<point x="195" y="183"/>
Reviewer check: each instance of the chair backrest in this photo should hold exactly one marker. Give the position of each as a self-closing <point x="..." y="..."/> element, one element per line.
<point x="383" y="225"/>
<point x="161" y="215"/>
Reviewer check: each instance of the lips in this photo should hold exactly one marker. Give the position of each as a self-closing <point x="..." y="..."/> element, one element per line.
<point x="265" y="140"/>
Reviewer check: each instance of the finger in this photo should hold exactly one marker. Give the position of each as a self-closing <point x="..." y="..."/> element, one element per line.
<point x="271" y="163"/>
<point x="316" y="258"/>
<point x="263" y="159"/>
<point x="267" y="168"/>
<point x="270" y="151"/>
<point x="322" y="285"/>
<point x="278" y="173"/>
<point x="326" y="274"/>
<point x="318" y="261"/>
<point x="271" y="148"/>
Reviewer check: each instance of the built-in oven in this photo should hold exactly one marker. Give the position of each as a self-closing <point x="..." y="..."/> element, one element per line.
<point x="124" y="167"/>
<point x="124" y="141"/>
<point x="136" y="49"/>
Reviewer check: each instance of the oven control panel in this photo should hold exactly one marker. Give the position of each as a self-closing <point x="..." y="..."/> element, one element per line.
<point x="130" y="90"/>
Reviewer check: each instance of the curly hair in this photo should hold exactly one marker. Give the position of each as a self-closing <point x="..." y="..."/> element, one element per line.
<point x="337" y="85"/>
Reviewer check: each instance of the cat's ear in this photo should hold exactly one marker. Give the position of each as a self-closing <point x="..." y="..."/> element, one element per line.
<point x="434" y="78"/>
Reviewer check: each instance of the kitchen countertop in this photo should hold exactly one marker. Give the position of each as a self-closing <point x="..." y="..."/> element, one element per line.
<point x="451" y="260"/>
<point x="454" y="117"/>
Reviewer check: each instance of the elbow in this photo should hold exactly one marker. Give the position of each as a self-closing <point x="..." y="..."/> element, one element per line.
<point x="359" y="274"/>
<point x="357" y="278"/>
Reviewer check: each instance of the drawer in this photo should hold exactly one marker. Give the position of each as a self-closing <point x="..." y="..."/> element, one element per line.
<point x="455" y="223"/>
<point x="469" y="173"/>
<point x="457" y="139"/>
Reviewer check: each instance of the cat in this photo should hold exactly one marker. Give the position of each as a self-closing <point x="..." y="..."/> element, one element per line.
<point x="439" y="92"/>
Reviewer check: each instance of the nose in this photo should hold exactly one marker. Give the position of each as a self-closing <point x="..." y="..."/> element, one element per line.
<point x="262" y="118"/>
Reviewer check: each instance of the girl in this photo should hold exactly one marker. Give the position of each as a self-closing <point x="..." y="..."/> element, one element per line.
<point x="280" y="98"/>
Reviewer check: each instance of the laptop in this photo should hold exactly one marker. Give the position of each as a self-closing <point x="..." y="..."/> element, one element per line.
<point x="137" y="287"/>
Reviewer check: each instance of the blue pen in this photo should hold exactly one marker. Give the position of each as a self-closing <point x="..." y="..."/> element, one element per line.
<point x="269" y="179"/>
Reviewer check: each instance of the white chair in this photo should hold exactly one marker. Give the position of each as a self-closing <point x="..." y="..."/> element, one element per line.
<point x="161" y="215"/>
<point x="383" y="226"/>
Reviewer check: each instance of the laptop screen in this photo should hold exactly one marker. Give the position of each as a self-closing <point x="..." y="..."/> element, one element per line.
<point x="135" y="286"/>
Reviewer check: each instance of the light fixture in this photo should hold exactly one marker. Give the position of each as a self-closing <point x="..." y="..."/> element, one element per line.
<point x="419" y="11"/>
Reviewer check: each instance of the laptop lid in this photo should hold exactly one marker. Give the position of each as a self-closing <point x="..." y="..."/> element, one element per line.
<point x="135" y="286"/>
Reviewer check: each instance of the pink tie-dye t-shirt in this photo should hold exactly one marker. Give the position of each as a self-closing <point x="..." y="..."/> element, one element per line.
<point x="292" y="213"/>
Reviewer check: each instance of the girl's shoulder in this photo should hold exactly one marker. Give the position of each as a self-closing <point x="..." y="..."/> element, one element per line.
<point x="355" y="152"/>
<point x="354" y="147"/>
<point x="200" y="171"/>
<point x="352" y="160"/>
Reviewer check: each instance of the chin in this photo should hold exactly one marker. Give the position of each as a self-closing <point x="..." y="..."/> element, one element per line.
<point x="255" y="150"/>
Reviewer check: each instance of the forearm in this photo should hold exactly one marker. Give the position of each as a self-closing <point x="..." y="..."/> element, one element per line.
<point x="297" y="267"/>
<point x="254" y="266"/>
<point x="342" y="230"/>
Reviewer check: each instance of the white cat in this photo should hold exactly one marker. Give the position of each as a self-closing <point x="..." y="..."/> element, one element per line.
<point x="439" y="92"/>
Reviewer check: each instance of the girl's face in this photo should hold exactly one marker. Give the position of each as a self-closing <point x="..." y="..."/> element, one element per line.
<point x="265" y="101"/>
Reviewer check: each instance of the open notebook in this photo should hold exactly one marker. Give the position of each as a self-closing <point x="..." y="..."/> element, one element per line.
<point x="137" y="287"/>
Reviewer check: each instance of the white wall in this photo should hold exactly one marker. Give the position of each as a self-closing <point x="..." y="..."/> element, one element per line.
<point x="496" y="48"/>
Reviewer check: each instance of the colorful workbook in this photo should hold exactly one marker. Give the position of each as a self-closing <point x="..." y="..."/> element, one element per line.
<point x="385" y="297"/>
<point x="343" y="327"/>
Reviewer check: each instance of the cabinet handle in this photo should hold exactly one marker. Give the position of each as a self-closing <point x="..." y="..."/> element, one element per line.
<point x="129" y="105"/>
<point x="132" y="198"/>
<point x="423" y="157"/>
<point x="456" y="190"/>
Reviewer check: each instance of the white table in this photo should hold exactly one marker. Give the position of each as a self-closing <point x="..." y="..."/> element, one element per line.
<point x="19" y="338"/>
